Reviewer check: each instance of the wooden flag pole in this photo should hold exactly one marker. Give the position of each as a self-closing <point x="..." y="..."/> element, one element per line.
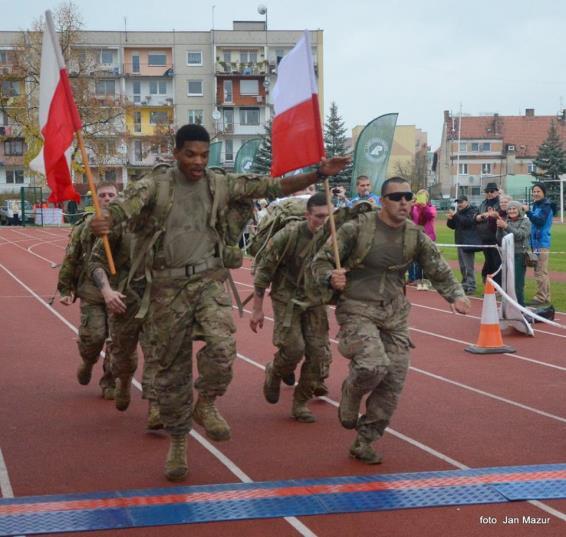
<point x="332" y="224"/>
<point x="97" y="209"/>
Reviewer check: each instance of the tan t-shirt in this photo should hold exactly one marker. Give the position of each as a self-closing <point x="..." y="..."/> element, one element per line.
<point x="189" y="239"/>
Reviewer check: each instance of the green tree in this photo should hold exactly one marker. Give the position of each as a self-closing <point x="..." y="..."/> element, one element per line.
<point x="551" y="162"/>
<point x="262" y="160"/>
<point x="335" y="145"/>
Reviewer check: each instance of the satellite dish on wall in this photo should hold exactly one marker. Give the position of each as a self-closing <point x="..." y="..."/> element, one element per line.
<point x="261" y="9"/>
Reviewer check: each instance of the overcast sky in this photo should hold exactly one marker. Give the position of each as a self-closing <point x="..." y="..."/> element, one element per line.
<point x="414" y="57"/>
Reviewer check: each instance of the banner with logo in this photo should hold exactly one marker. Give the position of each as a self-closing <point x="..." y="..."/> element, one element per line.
<point x="246" y="155"/>
<point x="215" y="154"/>
<point x="373" y="148"/>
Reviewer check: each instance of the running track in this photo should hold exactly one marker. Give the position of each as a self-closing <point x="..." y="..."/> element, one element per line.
<point x="457" y="411"/>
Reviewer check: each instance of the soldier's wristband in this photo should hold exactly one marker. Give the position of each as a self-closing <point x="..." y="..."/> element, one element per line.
<point x="319" y="175"/>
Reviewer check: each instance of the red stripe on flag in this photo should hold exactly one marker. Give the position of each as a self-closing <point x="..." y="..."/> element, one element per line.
<point x="296" y="138"/>
<point x="58" y="134"/>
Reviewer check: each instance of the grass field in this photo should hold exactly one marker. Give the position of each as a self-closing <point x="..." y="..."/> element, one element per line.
<point x="444" y="235"/>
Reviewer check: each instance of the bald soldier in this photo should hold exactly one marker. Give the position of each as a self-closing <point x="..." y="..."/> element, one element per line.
<point x="375" y="250"/>
<point x="186" y="214"/>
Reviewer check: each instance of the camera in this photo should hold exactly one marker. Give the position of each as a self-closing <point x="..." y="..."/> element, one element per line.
<point x="336" y="190"/>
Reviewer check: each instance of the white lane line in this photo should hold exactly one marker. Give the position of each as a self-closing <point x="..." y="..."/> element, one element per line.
<point x="50" y="261"/>
<point x="454" y="340"/>
<point x="423" y="447"/>
<point x="297" y="524"/>
<point x="6" y="490"/>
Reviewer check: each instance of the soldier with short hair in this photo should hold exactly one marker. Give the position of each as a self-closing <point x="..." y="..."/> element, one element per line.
<point x="375" y="250"/>
<point x="301" y="329"/>
<point x="191" y="219"/>
<point x="75" y="281"/>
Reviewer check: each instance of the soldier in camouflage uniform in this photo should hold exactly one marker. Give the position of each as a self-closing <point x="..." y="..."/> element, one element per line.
<point x="372" y="310"/>
<point x="299" y="329"/>
<point x="190" y="245"/>
<point x="74" y="281"/>
<point x="123" y="294"/>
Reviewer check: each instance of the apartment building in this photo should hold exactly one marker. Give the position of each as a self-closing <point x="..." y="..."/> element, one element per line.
<point x="139" y="87"/>
<point x="476" y="150"/>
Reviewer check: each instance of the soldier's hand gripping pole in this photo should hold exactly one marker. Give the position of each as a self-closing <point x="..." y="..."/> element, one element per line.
<point x="332" y="224"/>
<point x="97" y="210"/>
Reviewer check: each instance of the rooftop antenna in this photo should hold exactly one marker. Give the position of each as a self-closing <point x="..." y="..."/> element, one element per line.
<point x="126" y="28"/>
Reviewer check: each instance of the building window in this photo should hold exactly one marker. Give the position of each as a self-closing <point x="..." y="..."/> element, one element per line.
<point x="194" y="88"/>
<point x="485" y="146"/>
<point x="229" y="151"/>
<point x="463" y="147"/>
<point x="137" y="122"/>
<point x="3" y="56"/>
<point x="138" y="151"/>
<point x="10" y="88"/>
<point x="14" y="147"/>
<point x="105" y="88"/>
<point x="248" y="56"/>
<point x="194" y="57"/>
<point x="136" y="85"/>
<point x="279" y="53"/>
<point x="157" y="59"/>
<point x="475" y="147"/>
<point x="157" y="87"/>
<point x="196" y="116"/>
<point x="531" y="168"/>
<point x="106" y="57"/>
<point x="15" y="177"/>
<point x="228" y="93"/>
<point x="476" y="191"/>
<point x="486" y="169"/>
<point x="249" y="87"/>
<point x="158" y="118"/>
<point x="110" y="175"/>
<point x="463" y="169"/>
<point x="228" y="115"/>
<point x="227" y="55"/>
<point x="249" y="116"/>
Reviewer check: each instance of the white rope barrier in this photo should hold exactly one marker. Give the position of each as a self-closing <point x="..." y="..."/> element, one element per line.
<point x="524" y="310"/>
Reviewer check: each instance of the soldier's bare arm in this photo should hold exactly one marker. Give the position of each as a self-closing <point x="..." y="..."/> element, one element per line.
<point x="257" y="317"/>
<point x="70" y="268"/>
<point x="113" y="299"/>
<point x="327" y="167"/>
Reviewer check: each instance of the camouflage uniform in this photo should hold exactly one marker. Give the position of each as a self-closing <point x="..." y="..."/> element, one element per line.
<point x="74" y="278"/>
<point x="185" y="265"/>
<point x="299" y="330"/>
<point x="126" y="329"/>
<point x="372" y="311"/>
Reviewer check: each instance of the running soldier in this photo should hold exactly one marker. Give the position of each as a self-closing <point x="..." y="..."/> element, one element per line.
<point x="300" y="329"/>
<point x="372" y="309"/>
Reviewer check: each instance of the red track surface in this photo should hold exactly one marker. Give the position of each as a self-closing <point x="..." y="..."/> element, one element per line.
<point x="457" y="410"/>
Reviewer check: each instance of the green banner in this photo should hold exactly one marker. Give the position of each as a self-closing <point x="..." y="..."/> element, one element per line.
<point x="372" y="151"/>
<point x="246" y="155"/>
<point x="215" y="155"/>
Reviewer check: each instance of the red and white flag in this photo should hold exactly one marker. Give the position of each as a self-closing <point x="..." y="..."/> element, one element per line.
<point x="296" y="134"/>
<point x="58" y="118"/>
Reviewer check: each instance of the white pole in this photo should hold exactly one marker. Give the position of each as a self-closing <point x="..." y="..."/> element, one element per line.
<point x="561" y="200"/>
<point x="458" y="155"/>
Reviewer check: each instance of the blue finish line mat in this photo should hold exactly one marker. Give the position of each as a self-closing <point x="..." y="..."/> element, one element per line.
<point x="35" y="515"/>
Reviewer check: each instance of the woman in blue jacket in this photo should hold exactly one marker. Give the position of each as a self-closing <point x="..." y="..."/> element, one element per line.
<point x="540" y="216"/>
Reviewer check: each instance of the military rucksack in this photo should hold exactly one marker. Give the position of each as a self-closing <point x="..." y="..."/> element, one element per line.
<point x="279" y="215"/>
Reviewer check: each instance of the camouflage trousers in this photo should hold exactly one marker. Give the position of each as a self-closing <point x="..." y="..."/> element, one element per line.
<point x="93" y="332"/>
<point x="374" y="336"/>
<point x="299" y="333"/>
<point x="125" y="333"/>
<point x="181" y="310"/>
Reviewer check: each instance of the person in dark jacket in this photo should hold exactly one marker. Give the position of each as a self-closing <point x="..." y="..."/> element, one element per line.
<point x="540" y="216"/>
<point x="463" y="222"/>
<point x="486" y="225"/>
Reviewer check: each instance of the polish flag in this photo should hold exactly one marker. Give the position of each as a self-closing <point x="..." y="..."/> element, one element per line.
<point x="58" y="119"/>
<point x="296" y="134"/>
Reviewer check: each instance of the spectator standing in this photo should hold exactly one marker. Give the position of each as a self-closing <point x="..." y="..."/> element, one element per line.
<point x="486" y="221"/>
<point x="364" y="193"/>
<point x="540" y="216"/>
<point x="504" y="200"/>
<point x="520" y="226"/>
<point x="423" y="213"/>
<point x="463" y="222"/>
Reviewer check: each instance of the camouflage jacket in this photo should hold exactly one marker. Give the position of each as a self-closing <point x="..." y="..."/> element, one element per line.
<point x="356" y="237"/>
<point x="281" y="263"/>
<point x="73" y="274"/>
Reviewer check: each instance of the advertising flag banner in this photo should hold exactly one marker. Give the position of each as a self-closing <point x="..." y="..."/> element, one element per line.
<point x="246" y="155"/>
<point x="215" y="154"/>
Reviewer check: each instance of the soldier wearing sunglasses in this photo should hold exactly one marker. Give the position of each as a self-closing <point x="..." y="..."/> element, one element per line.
<point x="375" y="250"/>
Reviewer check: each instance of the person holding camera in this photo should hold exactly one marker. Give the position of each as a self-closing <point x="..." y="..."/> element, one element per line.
<point x="339" y="198"/>
<point x="486" y="225"/>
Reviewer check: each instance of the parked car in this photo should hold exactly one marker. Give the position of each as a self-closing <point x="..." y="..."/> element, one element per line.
<point x="11" y="212"/>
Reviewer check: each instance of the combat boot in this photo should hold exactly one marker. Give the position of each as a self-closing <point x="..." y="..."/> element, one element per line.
<point x="272" y="385"/>
<point x="289" y="379"/>
<point x="320" y="389"/>
<point x="349" y="406"/>
<point x="154" y="417"/>
<point x="206" y="414"/>
<point x="84" y="373"/>
<point x="364" y="452"/>
<point x="301" y="412"/>
<point x="176" y="467"/>
<point x="122" y="394"/>
<point x="108" y="393"/>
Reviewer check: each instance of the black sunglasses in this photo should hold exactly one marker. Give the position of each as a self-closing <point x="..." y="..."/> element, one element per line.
<point x="491" y="191"/>
<point x="397" y="196"/>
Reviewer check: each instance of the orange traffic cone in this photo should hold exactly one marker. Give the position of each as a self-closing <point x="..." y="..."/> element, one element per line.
<point x="489" y="340"/>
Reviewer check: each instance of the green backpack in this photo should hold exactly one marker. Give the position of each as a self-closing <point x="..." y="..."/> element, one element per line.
<point x="287" y="210"/>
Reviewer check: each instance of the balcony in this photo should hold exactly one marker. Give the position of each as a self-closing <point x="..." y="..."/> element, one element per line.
<point x="150" y="100"/>
<point x="11" y="70"/>
<point x="135" y="70"/>
<point x="242" y="69"/>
